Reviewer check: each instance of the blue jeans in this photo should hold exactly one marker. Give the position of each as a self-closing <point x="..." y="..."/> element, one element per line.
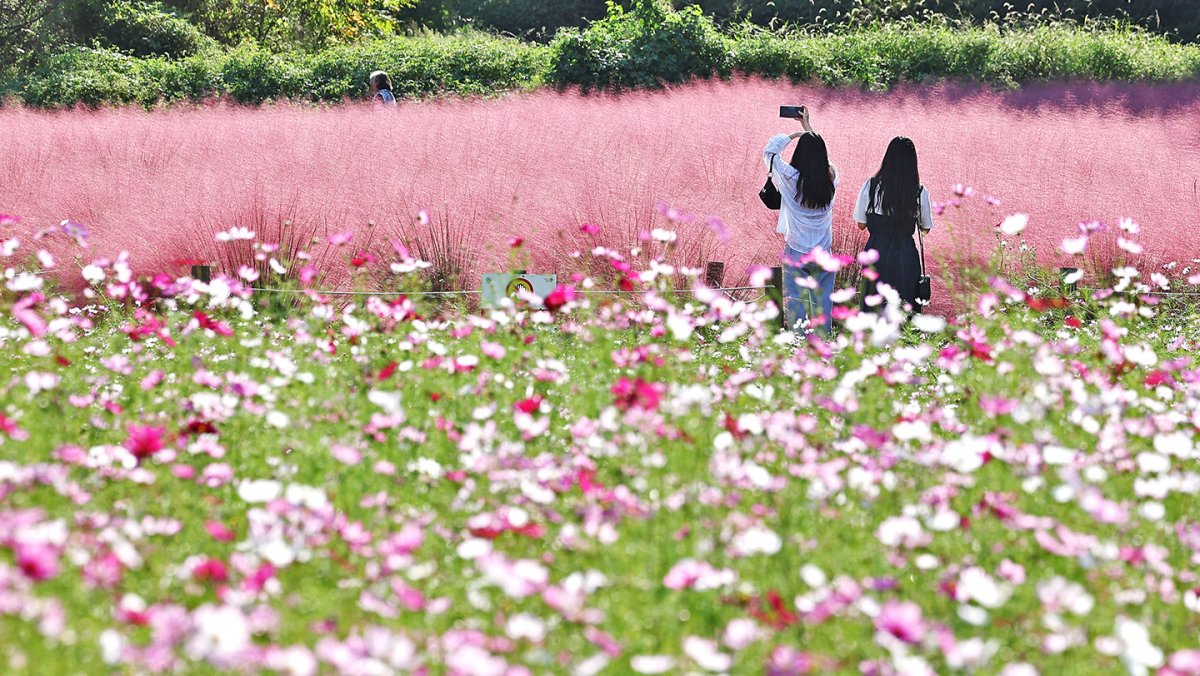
<point x="801" y="302"/>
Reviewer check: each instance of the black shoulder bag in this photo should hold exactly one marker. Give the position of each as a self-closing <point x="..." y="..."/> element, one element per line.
<point x="924" y="290"/>
<point x="770" y="194"/>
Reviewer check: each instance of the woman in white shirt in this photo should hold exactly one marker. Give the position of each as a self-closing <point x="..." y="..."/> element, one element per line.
<point x="806" y="186"/>
<point x="891" y="206"/>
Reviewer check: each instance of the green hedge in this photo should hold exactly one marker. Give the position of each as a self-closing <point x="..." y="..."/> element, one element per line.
<point x="625" y="50"/>
<point x="882" y="56"/>
<point x="540" y="19"/>
<point x="466" y="64"/>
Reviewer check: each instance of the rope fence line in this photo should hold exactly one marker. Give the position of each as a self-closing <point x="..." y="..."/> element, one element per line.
<point x="474" y="293"/>
<point x="366" y="293"/>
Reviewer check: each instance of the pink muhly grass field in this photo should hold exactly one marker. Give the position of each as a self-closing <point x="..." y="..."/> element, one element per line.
<point x="537" y="166"/>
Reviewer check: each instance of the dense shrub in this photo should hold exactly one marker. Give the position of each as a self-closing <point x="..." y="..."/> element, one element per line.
<point x="134" y="27"/>
<point x="622" y="51"/>
<point x="537" y="18"/>
<point x="645" y="46"/>
<point x="883" y="55"/>
<point x="470" y="63"/>
<point x="88" y="76"/>
<point x="294" y="24"/>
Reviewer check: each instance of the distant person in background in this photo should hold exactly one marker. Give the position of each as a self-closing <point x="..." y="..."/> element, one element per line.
<point x="891" y="206"/>
<point x="381" y="89"/>
<point x="806" y="186"/>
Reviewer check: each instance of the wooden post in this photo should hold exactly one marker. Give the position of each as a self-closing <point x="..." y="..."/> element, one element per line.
<point x="1063" y="273"/>
<point x="714" y="274"/>
<point x="202" y="273"/>
<point x="774" y="291"/>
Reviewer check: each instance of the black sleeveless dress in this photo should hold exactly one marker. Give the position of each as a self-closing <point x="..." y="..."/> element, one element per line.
<point x="899" y="264"/>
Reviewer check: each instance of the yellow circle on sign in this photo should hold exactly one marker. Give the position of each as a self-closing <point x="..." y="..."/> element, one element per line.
<point x="518" y="284"/>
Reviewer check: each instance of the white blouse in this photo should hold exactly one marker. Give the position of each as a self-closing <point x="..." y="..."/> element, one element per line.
<point x="864" y="198"/>
<point x="805" y="228"/>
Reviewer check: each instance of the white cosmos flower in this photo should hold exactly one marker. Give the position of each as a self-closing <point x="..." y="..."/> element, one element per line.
<point x="1178" y="444"/>
<point x="756" y="540"/>
<point x="262" y="490"/>
<point x="1153" y="463"/>
<point x="652" y="664"/>
<point x="525" y="626"/>
<point x="222" y="634"/>
<point x="706" y="654"/>
<point x="1073" y="277"/>
<point x="976" y="585"/>
<point x="234" y="234"/>
<point x="1014" y="224"/>
<point x="929" y="323"/>
<point x="1137" y="652"/>
<point x="1130" y="246"/>
<point x="1074" y="245"/>
<point x="93" y="274"/>
<point x="25" y="282"/>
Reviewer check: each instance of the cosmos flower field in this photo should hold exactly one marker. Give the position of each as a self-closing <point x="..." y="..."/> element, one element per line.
<point x="198" y="477"/>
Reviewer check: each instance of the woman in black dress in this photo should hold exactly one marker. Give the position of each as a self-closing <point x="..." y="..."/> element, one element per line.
<point x="891" y="206"/>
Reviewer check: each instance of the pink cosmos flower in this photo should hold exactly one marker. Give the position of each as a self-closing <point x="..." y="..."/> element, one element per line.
<point x="1182" y="663"/>
<point x="216" y="475"/>
<point x="10" y="429"/>
<point x="144" y="441"/>
<point x="559" y="297"/>
<point x="23" y="311"/>
<point x="152" y="380"/>
<point x="718" y="228"/>
<point x="698" y="575"/>
<point x="218" y="531"/>
<point x="103" y="570"/>
<point x="211" y="570"/>
<point x="340" y="238"/>
<point x="787" y="661"/>
<point x="902" y="620"/>
<point x="38" y="561"/>
<point x="215" y="325"/>
<point x="345" y="454"/>
<point x="637" y="394"/>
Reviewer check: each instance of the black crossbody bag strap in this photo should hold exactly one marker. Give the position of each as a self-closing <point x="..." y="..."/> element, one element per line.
<point x="922" y="241"/>
<point x="920" y="190"/>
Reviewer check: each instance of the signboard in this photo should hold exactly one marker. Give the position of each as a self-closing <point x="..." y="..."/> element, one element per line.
<point x="498" y="286"/>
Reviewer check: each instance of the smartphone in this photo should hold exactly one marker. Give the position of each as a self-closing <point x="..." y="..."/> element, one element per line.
<point x="790" y="111"/>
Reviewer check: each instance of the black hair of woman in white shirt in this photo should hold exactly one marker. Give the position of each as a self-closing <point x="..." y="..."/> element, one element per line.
<point x="814" y="187"/>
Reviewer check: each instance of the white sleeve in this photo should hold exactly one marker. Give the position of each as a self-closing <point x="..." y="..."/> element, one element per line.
<point x="775" y="146"/>
<point x="860" y="208"/>
<point x="926" y="211"/>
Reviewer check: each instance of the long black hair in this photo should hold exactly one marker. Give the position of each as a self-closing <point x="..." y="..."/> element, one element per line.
<point x="898" y="181"/>
<point x="814" y="187"/>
